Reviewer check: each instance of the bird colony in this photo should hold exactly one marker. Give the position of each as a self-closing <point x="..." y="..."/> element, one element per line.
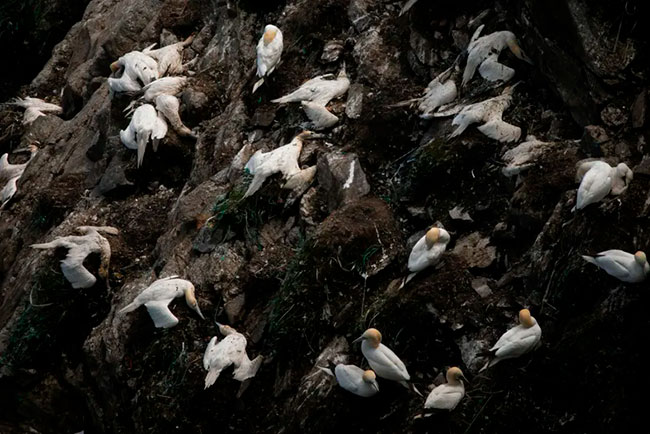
<point x="153" y="79"/>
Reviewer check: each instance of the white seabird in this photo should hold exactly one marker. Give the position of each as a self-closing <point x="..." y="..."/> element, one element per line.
<point x="137" y="69"/>
<point x="440" y="91"/>
<point x="169" y="57"/>
<point x="35" y="108"/>
<point x="145" y="124"/>
<point x="229" y="351"/>
<point x="79" y="247"/>
<point x="427" y="251"/>
<point x="382" y="359"/>
<point x="354" y="379"/>
<point x="624" y="266"/>
<point x="517" y="341"/>
<point x="447" y="396"/>
<point x="523" y="156"/>
<point x="11" y="173"/>
<point x="269" y="51"/>
<point x="157" y="296"/>
<point x="489" y="113"/>
<point x="483" y="53"/>
<point x="280" y="160"/>
<point x="599" y="179"/>
<point x="169" y="106"/>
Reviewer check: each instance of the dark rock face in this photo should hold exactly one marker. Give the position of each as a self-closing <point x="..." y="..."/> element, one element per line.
<point x="303" y="274"/>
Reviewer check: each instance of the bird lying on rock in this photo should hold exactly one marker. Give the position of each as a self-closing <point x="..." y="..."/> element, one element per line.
<point x="169" y="106"/>
<point x="447" y="396"/>
<point x="517" y="341"/>
<point x="354" y="379"/>
<point x="35" y="108"/>
<point x="79" y="247"/>
<point x="229" y="351"/>
<point x="383" y="360"/>
<point x="523" y="156"/>
<point x="319" y="91"/>
<point x="169" y="57"/>
<point x="11" y="173"/>
<point x="624" y="266"/>
<point x="157" y="296"/>
<point x="269" y="51"/>
<point x="280" y="160"/>
<point x="146" y="124"/>
<point x="427" y="251"/>
<point x="483" y="53"/>
<point x="599" y="179"/>
<point x="489" y="113"/>
<point x="440" y="91"/>
<point x="137" y="70"/>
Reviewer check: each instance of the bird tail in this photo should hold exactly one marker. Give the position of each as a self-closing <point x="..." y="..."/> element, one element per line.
<point x="257" y="84"/>
<point x="589" y="259"/>
<point x="212" y="376"/>
<point x="461" y="124"/>
<point x="128" y="308"/>
<point x="255" y="185"/>
<point x="142" y="146"/>
<point x="491" y="362"/>
<point x="328" y="371"/>
<point x="407" y="279"/>
<point x="410" y="386"/>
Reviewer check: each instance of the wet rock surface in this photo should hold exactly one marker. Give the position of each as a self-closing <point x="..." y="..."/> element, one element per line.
<point x="302" y="275"/>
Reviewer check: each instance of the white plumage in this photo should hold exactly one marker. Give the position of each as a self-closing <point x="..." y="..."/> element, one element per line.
<point x="79" y="247"/>
<point x="382" y="359"/>
<point x="320" y="117"/>
<point x="483" y="53"/>
<point x="163" y="86"/>
<point x="269" y="51"/>
<point x="229" y="351"/>
<point x="169" y="106"/>
<point x="517" y="341"/>
<point x="146" y="124"/>
<point x="599" y="179"/>
<point x="489" y="113"/>
<point x="428" y="250"/>
<point x="355" y="380"/>
<point x="523" y="155"/>
<point x="622" y="265"/>
<point x="169" y="57"/>
<point x="440" y="91"/>
<point x="137" y="69"/>
<point x="11" y="173"/>
<point x="157" y="296"/>
<point x="447" y="396"/>
<point x="319" y="90"/>
<point x="35" y="108"/>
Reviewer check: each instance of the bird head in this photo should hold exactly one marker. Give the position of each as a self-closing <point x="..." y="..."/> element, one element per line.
<point x="640" y="258"/>
<point x="514" y="46"/>
<point x="432" y="237"/>
<point x="370" y="377"/>
<point x="115" y="66"/>
<point x="371" y="335"/>
<point x="525" y="319"/>
<point x="454" y="375"/>
<point x="226" y="329"/>
<point x="309" y="135"/>
<point x="190" y="299"/>
<point x="269" y="33"/>
<point x="624" y="172"/>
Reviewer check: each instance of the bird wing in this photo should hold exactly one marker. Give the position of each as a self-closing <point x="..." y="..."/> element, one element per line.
<point x="319" y="115"/>
<point x="595" y="185"/>
<point x="308" y="91"/>
<point x="209" y="353"/>
<point x="268" y="56"/>
<point x="499" y="130"/>
<point x="492" y="70"/>
<point x="471" y="114"/>
<point x="437" y="94"/>
<point x="4" y="162"/>
<point x="73" y="268"/>
<point x="348" y="377"/>
<point x="393" y="359"/>
<point x="445" y="397"/>
<point x="418" y="257"/>
<point x="518" y="343"/>
<point x="616" y="262"/>
<point x="160" y="314"/>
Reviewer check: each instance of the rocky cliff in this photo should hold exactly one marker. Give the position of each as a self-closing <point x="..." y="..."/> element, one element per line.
<point x="302" y="277"/>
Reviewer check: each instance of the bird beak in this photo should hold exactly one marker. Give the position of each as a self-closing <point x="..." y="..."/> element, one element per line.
<point x="23" y="150"/>
<point x="525" y="58"/>
<point x="462" y="377"/>
<point x="199" y="312"/>
<point x="315" y="136"/>
<point x="359" y="339"/>
<point x="375" y="386"/>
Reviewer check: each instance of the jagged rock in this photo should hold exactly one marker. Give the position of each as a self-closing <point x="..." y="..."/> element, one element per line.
<point x="359" y="15"/>
<point x="459" y="213"/>
<point x="341" y="176"/>
<point x="475" y="250"/>
<point x="354" y="105"/>
<point x="422" y="49"/>
<point x="613" y="116"/>
<point x="331" y="51"/>
<point x="369" y="48"/>
<point x="638" y="111"/>
<point x="114" y="180"/>
<point x="480" y="285"/>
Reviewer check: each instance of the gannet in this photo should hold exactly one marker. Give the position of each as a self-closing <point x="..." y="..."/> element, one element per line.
<point x="79" y="247"/>
<point x="280" y="160"/>
<point x="489" y="113"/>
<point x="517" y="341"/>
<point x="600" y="179"/>
<point x="320" y="117"/>
<point x="354" y="379"/>
<point x="157" y="296"/>
<point x="448" y="395"/>
<point x="269" y="51"/>
<point x="484" y="53"/>
<point x="229" y="351"/>
<point x="35" y="107"/>
<point x="169" y="57"/>
<point x="523" y="155"/>
<point x="11" y="173"/>
<point x="138" y="70"/>
<point x="440" y="91"/>
<point x="319" y="90"/>
<point x="146" y="123"/>
<point x="382" y="359"/>
<point x="427" y="251"/>
<point x="169" y="106"/>
<point x="624" y="266"/>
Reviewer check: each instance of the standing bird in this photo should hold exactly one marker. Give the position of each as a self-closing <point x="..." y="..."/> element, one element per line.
<point x="448" y="395"/>
<point x="427" y="251"/>
<point x="137" y="70"/>
<point x="269" y="51"/>
<point x="280" y="160"/>
<point x="79" y="247"/>
<point x="230" y="351"/>
<point x="35" y="108"/>
<point x="489" y="113"/>
<point x="483" y="53"/>
<point x="517" y="341"/>
<point x="599" y="179"/>
<point x="145" y="124"/>
<point x="624" y="266"/>
<point x="157" y="296"/>
<point x="382" y="359"/>
<point x="354" y="379"/>
<point x="169" y="57"/>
